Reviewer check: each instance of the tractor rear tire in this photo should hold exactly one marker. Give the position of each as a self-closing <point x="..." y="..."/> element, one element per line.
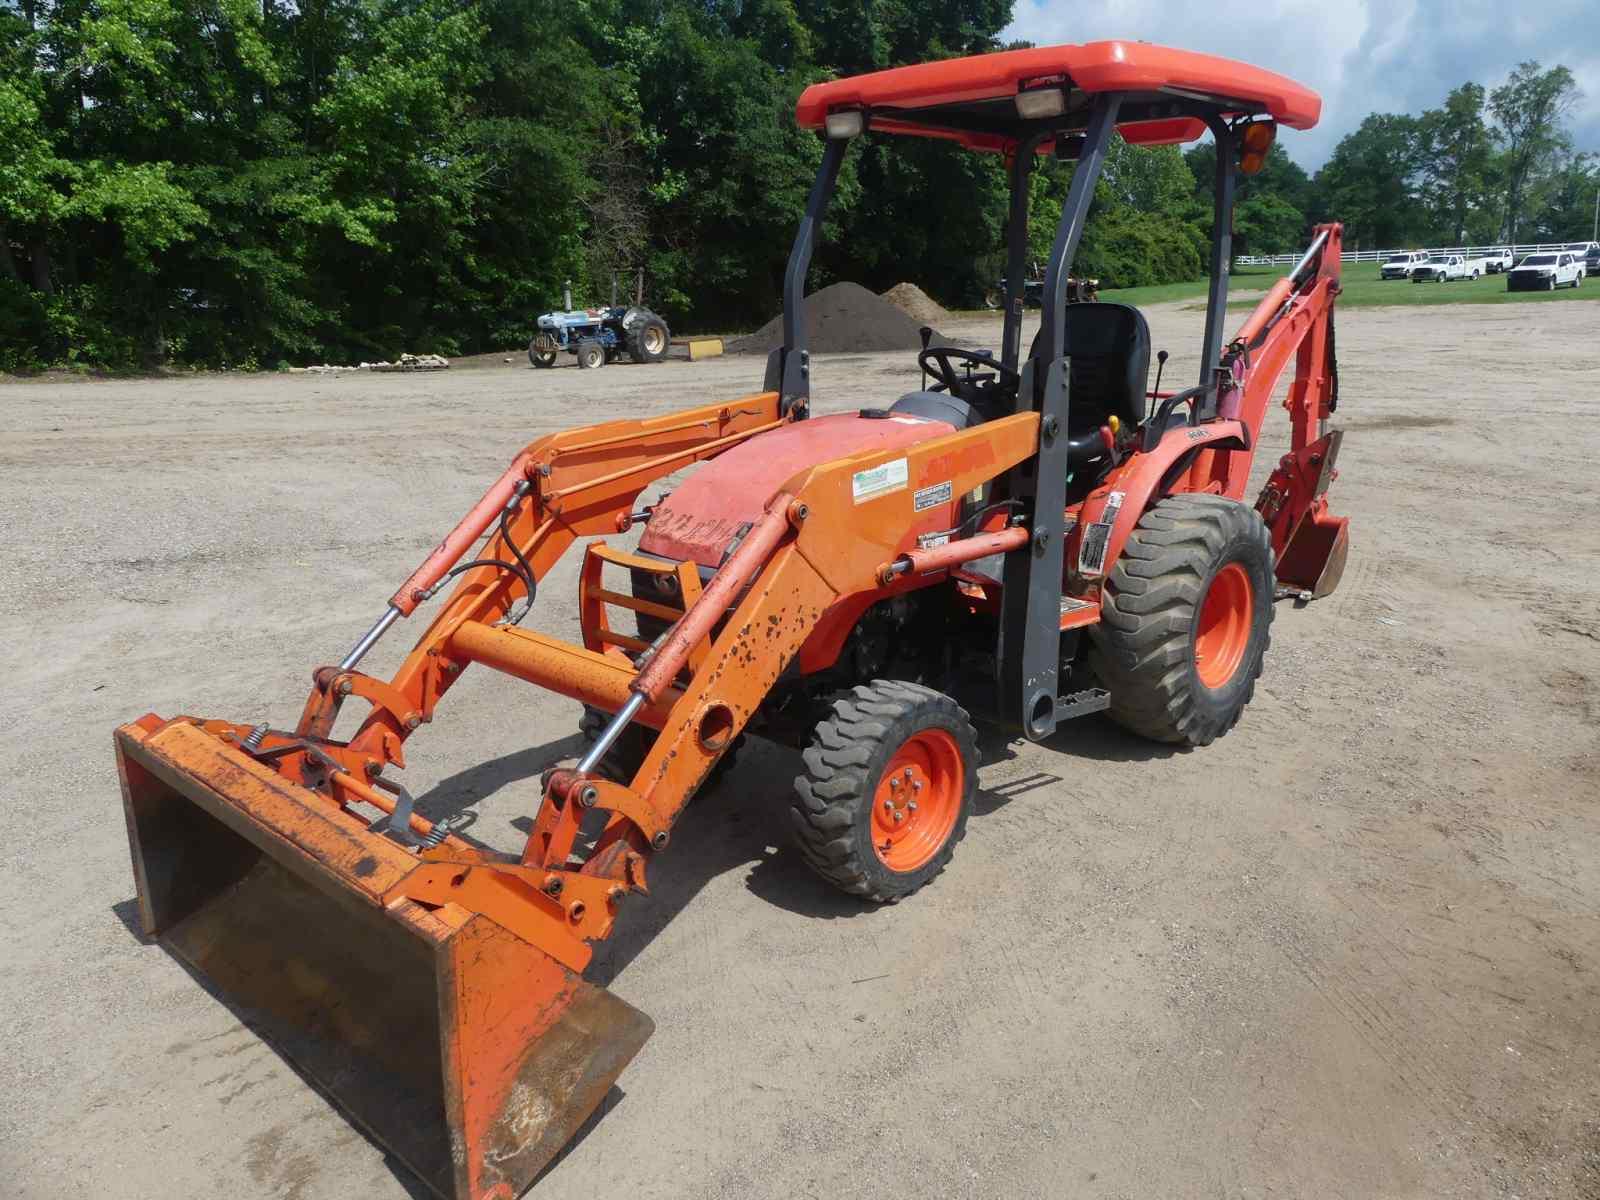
<point x="1186" y="619"/>
<point x="648" y="339"/>
<point x="863" y="834"/>
<point x="591" y="354"/>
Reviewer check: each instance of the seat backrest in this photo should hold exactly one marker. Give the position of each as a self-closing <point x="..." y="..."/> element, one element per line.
<point x="1108" y="346"/>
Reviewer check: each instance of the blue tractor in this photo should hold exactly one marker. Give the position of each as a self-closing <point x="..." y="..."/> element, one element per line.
<point x="599" y="335"/>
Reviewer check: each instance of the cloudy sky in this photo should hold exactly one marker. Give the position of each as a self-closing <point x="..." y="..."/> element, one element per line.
<point x="1361" y="55"/>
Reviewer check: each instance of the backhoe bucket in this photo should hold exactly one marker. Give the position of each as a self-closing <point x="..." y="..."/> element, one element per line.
<point x="1313" y="561"/>
<point x="469" y="1053"/>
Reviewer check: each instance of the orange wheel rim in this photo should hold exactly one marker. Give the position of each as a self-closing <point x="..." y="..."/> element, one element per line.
<point x="917" y="801"/>
<point x="1223" y="633"/>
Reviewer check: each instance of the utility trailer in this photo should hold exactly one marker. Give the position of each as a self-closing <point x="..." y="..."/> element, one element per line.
<point x="1039" y="534"/>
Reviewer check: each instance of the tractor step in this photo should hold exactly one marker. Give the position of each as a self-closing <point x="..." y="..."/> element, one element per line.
<point x="1081" y="704"/>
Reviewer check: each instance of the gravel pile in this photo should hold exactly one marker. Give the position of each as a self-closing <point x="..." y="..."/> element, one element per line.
<point x="916" y="304"/>
<point x="843" y="318"/>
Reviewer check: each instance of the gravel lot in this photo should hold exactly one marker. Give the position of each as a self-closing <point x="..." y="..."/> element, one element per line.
<point x="1350" y="950"/>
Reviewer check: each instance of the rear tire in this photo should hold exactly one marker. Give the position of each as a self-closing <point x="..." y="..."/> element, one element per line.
<point x="1186" y="619"/>
<point x="863" y="834"/>
<point x="648" y="340"/>
<point x="591" y="354"/>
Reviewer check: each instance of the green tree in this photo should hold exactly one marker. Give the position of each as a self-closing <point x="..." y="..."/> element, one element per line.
<point x="1270" y="207"/>
<point x="1529" y="110"/>
<point x="1562" y="209"/>
<point x="1369" y="183"/>
<point x="1455" y="153"/>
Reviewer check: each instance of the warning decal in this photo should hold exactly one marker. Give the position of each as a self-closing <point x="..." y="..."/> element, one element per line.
<point x="927" y="497"/>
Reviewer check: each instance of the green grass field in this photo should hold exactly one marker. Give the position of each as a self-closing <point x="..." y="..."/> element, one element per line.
<point x="1362" y="289"/>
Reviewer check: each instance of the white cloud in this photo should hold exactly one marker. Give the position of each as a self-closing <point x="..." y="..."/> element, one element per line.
<point x="1363" y="56"/>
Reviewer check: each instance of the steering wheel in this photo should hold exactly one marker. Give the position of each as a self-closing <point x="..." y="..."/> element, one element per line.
<point x="939" y="361"/>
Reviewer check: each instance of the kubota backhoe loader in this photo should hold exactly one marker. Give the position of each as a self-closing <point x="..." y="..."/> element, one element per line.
<point x="1029" y="539"/>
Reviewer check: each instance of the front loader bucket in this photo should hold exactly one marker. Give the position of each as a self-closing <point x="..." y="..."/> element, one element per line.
<point x="469" y="1053"/>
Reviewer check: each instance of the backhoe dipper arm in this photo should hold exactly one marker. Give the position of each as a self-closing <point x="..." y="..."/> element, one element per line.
<point x="1295" y="317"/>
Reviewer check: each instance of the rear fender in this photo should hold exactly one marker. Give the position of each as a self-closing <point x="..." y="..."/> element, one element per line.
<point x="1110" y="513"/>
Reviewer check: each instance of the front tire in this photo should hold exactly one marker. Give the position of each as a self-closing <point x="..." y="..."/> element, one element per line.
<point x="888" y="782"/>
<point x="540" y="358"/>
<point x="591" y="354"/>
<point x="1186" y="619"/>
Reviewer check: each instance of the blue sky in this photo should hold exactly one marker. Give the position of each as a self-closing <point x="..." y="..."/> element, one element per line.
<point x="1362" y="55"/>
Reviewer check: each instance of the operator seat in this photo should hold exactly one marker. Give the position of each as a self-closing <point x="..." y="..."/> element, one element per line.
<point x="1108" y="371"/>
<point x="1108" y="349"/>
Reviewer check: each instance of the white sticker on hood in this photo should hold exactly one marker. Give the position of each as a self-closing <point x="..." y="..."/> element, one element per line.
<point x="879" y="480"/>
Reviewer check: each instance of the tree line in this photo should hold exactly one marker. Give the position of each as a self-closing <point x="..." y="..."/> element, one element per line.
<point x="253" y="182"/>
<point x="1488" y="165"/>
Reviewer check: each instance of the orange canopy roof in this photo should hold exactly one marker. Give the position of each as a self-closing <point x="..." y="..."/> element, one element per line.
<point x="1153" y="73"/>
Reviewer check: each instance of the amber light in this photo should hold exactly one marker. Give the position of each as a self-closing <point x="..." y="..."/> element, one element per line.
<point x="1253" y="146"/>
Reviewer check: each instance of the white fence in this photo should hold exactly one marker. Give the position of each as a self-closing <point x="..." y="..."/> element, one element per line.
<point x="1349" y="256"/>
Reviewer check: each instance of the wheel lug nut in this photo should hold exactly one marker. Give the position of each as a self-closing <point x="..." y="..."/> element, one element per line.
<point x="917" y="786"/>
<point x="888" y="806"/>
<point x="912" y="806"/>
<point x="908" y="772"/>
<point x="898" y="817"/>
<point x="894" y="785"/>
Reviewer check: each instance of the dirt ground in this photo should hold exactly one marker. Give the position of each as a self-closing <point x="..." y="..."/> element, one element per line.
<point x="1350" y="950"/>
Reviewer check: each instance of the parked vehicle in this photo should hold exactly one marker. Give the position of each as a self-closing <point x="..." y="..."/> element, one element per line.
<point x="1587" y="255"/>
<point x="1400" y="266"/>
<point x="599" y="336"/>
<point x="1497" y="262"/>
<point x="1079" y="291"/>
<point x="1443" y="267"/>
<point x="1545" y="272"/>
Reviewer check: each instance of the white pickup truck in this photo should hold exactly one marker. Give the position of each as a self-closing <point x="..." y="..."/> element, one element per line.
<point x="1497" y="262"/>
<point x="1442" y="267"/>
<point x="1400" y="266"/>
<point x="1586" y="255"/>
<point x="1545" y="272"/>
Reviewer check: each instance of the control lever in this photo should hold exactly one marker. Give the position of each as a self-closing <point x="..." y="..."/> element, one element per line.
<point x="926" y="334"/>
<point x="1161" y="361"/>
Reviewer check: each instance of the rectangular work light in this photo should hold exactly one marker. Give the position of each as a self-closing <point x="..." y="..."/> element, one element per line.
<point x="1039" y="103"/>
<point x="845" y="124"/>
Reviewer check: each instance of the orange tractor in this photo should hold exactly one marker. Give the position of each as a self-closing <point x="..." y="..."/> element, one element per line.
<point x="1031" y="538"/>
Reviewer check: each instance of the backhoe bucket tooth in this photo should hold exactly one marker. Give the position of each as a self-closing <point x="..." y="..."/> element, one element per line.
<point x="470" y="1054"/>
<point x="1313" y="561"/>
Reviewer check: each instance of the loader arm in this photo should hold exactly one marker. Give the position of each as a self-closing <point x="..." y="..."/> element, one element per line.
<point x="244" y="837"/>
<point x="568" y="485"/>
